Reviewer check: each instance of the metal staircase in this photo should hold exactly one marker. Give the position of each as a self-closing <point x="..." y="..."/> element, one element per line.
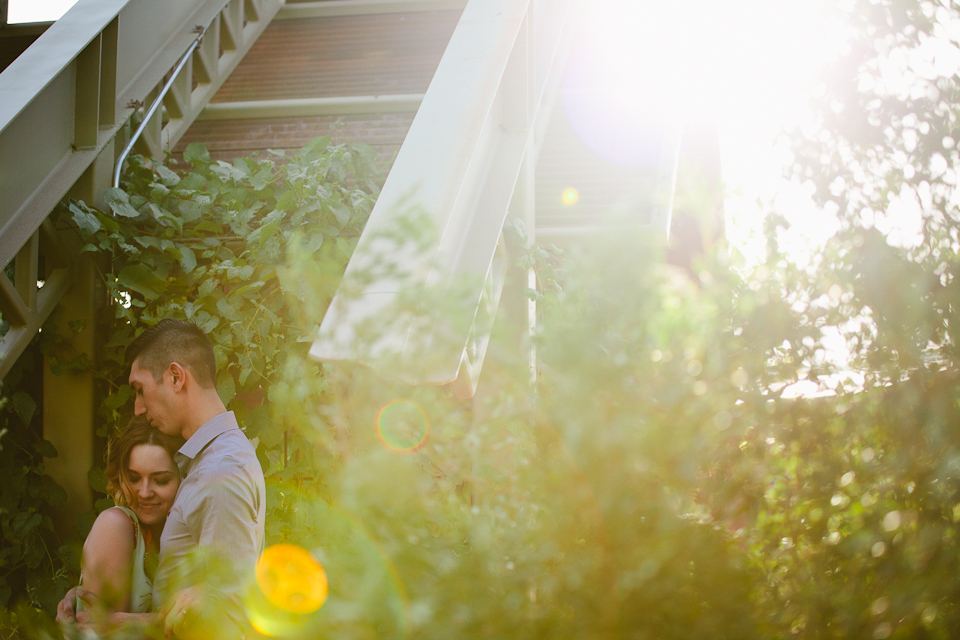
<point x="69" y="98"/>
<point x="470" y="161"/>
<point x="470" y="119"/>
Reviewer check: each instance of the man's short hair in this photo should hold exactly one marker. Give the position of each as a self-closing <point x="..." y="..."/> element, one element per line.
<point x="175" y="341"/>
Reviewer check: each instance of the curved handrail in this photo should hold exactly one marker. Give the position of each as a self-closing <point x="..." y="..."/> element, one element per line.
<point x="156" y="105"/>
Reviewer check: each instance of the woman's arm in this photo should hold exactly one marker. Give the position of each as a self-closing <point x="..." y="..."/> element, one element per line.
<point x="107" y="561"/>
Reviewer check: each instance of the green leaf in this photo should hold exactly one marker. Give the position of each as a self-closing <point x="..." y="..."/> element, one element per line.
<point x="196" y="154"/>
<point x="239" y="291"/>
<point x="192" y="182"/>
<point x="25" y="522"/>
<point x="85" y="522"/>
<point x="167" y="177"/>
<point x="207" y="287"/>
<point x="206" y="225"/>
<point x="227" y="171"/>
<point x="142" y="279"/>
<point x="158" y="192"/>
<point x="168" y="219"/>
<point x="108" y="223"/>
<point x="119" y="203"/>
<point x="189" y="210"/>
<point x="24" y="406"/>
<point x="189" y="261"/>
<point x="5" y="592"/>
<point x="312" y="244"/>
<point x="288" y="201"/>
<point x="262" y="178"/>
<point x="86" y="220"/>
<point x="53" y="493"/>
<point x="211" y="323"/>
<point x="270" y="434"/>
<point x="315" y="146"/>
<point x="226" y="308"/>
<point x="343" y="213"/>
<point x="148" y="241"/>
<point x="346" y="247"/>
<point x="240" y="273"/>
<point x="46" y="449"/>
<point x="70" y="554"/>
<point x="97" y="478"/>
<point x="267" y="231"/>
<point x="226" y="386"/>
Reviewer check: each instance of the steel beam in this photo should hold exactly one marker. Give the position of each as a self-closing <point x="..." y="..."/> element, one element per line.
<point x="25" y="304"/>
<point x="69" y="400"/>
<point x="459" y="165"/>
<point x="333" y="8"/>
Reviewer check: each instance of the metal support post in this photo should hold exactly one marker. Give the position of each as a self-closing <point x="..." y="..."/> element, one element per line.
<point x="68" y="402"/>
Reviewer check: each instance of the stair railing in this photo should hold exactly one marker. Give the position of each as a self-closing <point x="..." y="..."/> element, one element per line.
<point x="64" y="102"/>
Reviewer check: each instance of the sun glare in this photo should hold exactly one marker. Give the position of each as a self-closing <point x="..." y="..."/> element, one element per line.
<point x="20" y="11"/>
<point x="747" y="67"/>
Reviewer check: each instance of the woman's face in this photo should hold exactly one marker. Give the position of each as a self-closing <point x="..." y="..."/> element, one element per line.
<point x="154" y="480"/>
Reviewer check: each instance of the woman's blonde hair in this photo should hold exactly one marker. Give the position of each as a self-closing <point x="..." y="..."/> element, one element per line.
<point x="139" y="431"/>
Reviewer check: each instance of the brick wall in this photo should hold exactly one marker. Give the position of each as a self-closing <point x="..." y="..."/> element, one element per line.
<point x="342" y="56"/>
<point x="328" y="57"/>
<point x="233" y="138"/>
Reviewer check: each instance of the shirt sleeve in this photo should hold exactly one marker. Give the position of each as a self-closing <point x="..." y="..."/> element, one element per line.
<point x="225" y="525"/>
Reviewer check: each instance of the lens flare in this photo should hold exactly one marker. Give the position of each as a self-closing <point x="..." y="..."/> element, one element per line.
<point x="292" y="579"/>
<point x="570" y="196"/>
<point x="290" y="584"/>
<point x="364" y="585"/>
<point x="402" y="426"/>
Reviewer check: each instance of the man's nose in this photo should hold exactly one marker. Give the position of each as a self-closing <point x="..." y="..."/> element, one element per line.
<point x="139" y="408"/>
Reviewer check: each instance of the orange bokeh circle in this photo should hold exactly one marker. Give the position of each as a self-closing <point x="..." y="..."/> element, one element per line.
<point x="291" y="578"/>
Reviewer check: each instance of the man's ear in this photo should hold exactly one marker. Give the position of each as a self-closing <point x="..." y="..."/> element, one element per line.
<point x="178" y="375"/>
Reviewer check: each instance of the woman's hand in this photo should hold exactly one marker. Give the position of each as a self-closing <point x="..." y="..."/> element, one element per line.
<point x="183" y="617"/>
<point x="98" y="618"/>
<point x="66" y="610"/>
<point x="94" y="615"/>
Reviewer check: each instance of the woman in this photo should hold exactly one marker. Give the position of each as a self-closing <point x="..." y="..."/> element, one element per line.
<point x="120" y="552"/>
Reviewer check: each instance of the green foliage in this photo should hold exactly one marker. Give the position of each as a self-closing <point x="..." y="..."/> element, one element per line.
<point x="658" y="484"/>
<point x="210" y="246"/>
<point x="848" y="504"/>
<point x="33" y="562"/>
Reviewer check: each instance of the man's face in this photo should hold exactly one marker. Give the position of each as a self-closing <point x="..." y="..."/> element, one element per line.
<point x="155" y="400"/>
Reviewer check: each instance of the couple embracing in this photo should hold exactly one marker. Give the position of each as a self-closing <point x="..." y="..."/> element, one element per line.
<point x="188" y="485"/>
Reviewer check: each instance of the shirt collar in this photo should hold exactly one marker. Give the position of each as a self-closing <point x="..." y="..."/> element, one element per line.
<point x="205" y="434"/>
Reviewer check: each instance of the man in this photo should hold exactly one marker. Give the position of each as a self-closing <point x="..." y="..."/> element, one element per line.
<point x="220" y="507"/>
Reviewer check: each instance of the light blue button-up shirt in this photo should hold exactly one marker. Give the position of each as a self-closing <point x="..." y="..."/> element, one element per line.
<point x="215" y="531"/>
